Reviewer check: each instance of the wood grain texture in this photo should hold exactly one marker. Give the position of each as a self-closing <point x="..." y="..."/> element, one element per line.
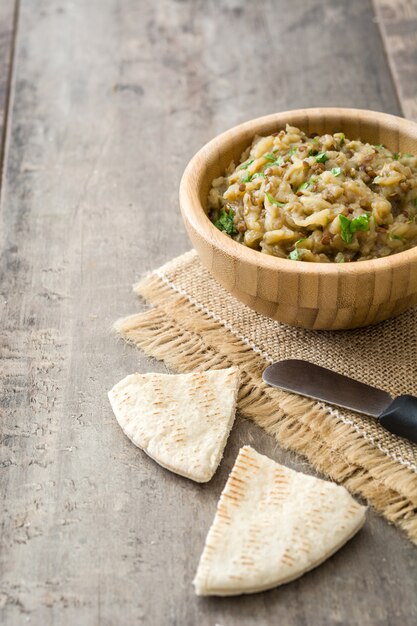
<point x="109" y="99"/>
<point x="311" y="295"/>
<point x="398" y="23"/>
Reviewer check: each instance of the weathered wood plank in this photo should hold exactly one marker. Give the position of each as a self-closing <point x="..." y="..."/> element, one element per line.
<point x="110" y="101"/>
<point x="398" y="23"/>
<point x="8" y="15"/>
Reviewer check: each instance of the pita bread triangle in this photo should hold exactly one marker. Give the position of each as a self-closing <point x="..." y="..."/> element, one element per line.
<point x="272" y="525"/>
<point x="181" y="421"/>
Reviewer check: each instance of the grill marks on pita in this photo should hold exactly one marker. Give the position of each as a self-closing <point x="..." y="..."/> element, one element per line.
<point x="272" y="524"/>
<point x="181" y="421"/>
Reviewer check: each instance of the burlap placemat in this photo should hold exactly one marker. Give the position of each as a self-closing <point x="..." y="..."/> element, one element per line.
<point x="196" y="324"/>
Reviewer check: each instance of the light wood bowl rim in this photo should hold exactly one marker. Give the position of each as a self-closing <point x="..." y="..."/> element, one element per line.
<point x="193" y="210"/>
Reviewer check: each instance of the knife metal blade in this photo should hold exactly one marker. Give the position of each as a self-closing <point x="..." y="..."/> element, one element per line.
<point x="313" y="381"/>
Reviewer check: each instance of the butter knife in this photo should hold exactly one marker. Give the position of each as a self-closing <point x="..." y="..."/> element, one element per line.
<point x="398" y="415"/>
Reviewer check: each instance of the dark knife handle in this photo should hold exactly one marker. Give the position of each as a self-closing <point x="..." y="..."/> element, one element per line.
<point x="400" y="417"/>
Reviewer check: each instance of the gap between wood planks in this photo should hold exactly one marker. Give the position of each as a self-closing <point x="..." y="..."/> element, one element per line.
<point x="397" y="23"/>
<point x="9" y="12"/>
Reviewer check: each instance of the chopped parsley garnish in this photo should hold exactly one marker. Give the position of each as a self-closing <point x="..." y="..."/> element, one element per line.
<point x="249" y="177"/>
<point x="349" y="227"/>
<point x="293" y="150"/>
<point x="273" y="160"/>
<point x="295" y="254"/>
<point x="379" y="145"/>
<point x="313" y="152"/>
<point x="245" y="166"/>
<point x="391" y="236"/>
<point x="396" y="156"/>
<point x="307" y="184"/>
<point x="342" y="138"/>
<point x="225" y="222"/>
<point x="322" y="157"/>
<point x="272" y="200"/>
<point x="345" y="228"/>
<point x="408" y="155"/>
<point x="360" y="223"/>
<point x="336" y="171"/>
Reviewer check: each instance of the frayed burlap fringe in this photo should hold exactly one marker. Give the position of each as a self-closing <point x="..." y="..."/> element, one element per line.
<point x="187" y="339"/>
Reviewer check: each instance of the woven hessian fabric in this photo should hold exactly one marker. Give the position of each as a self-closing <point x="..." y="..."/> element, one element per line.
<point x="196" y="324"/>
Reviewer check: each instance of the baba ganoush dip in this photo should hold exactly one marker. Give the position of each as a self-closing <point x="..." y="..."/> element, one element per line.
<point x="318" y="198"/>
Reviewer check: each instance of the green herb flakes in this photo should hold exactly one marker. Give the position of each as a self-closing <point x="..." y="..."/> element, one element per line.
<point x="293" y="150"/>
<point x="336" y="171"/>
<point x="313" y="152"/>
<point x="294" y="255"/>
<point x="273" y="160"/>
<point x="245" y="166"/>
<point x="307" y="184"/>
<point x="345" y="228"/>
<point x="249" y="177"/>
<point x="360" y="223"/>
<point x="396" y="156"/>
<point x="225" y="222"/>
<point x="322" y="157"/>
<point x="272" y="200"/>
<point x="349" y="227"/>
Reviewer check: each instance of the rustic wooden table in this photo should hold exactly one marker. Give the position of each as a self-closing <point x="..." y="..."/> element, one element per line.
<point x="103" y="103"/>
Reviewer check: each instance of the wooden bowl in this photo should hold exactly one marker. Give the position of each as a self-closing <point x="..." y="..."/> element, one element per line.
<point x="311" y="295"/>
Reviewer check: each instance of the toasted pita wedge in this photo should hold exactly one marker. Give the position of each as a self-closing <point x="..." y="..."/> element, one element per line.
<point x="272" y="524"/>
<point x="181" y="421"/>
